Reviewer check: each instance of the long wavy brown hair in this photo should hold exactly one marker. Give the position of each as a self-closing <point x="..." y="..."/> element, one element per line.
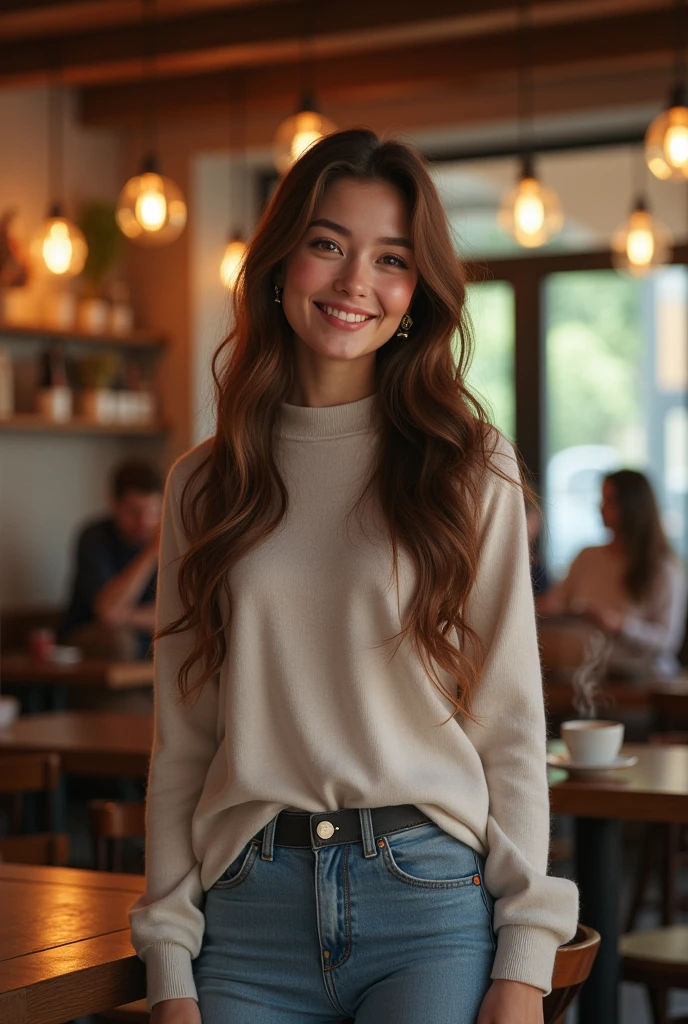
<point x="434" y="436"/>
<point x="641" y="530"/>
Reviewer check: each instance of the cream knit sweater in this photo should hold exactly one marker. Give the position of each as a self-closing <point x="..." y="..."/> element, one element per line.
<point x="309" y="711"/>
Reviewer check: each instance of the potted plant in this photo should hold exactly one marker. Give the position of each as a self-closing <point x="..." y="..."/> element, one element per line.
<point x="103" y="237"/>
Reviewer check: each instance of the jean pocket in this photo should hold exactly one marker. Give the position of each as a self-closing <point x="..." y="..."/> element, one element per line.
<point x="240" y="868"/>
<point x="429" y="857"/>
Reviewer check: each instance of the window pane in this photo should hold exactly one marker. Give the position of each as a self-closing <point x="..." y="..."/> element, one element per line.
<point x="491" y="376"/>
<point x="616" y="397"/>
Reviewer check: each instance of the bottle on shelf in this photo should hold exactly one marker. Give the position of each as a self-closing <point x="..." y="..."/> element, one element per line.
<point x="54" y="395"/>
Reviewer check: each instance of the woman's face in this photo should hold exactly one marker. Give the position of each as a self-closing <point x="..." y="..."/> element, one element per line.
<point x="350" y="280"/>
<point x="609" y="507"/>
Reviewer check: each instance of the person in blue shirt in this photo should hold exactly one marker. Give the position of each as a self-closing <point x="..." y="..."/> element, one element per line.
<point x="111" y="612"/>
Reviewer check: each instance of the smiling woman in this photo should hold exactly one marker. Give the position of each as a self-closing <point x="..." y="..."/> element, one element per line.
<point x="347" y="805"/>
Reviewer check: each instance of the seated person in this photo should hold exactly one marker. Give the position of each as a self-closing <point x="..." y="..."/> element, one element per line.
<point x="634" y="587"/>
<point x="111" y="612"/>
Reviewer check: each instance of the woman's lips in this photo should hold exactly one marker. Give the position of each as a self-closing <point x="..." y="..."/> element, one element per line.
<point x="343" y="325"/>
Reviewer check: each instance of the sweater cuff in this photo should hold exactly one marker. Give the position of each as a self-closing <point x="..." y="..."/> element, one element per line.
<point x="169" y="974"/>
<point x="526" y="955"/>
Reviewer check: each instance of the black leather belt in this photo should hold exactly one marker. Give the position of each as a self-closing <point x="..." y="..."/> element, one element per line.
<point x="327" y="828"/>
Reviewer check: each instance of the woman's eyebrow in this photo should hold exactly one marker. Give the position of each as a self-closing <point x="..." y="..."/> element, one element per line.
<point x="322" y="222"/>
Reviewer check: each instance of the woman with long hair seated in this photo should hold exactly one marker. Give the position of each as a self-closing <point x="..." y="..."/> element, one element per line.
<point x="348" y="809"/>
<point x="633" y="587"/>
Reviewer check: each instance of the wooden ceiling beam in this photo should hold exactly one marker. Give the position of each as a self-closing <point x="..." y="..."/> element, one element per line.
<point x="594" y="47"/>
<point x="271" y="31"/>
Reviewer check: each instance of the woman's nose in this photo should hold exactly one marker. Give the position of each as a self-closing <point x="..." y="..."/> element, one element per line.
<point x="352" y="279"/>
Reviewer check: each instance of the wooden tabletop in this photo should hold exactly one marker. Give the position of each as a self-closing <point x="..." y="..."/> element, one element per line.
<point x="89" y="742"/>
<point x="64" y="943"/>
<point x="656" y="789"/>
<point x="24" y="670"/>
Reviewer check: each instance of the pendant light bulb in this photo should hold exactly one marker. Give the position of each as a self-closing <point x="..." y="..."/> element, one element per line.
<point x="151" y="209"/>
<point x="666" y="140"/>
<point x="59" y="246"/>
<point x="231" y="262"/>
<point x="298" y="133"/>
<point x="642" y="243"/>
<point x="530" y="212"/>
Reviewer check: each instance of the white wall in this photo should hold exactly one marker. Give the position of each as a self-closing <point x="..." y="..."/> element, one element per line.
<point x="49" y="483"/>
<point x="224" y="201"/>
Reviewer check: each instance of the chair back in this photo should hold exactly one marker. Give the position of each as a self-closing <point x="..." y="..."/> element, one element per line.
<point x="29" y="773"/>
<point x="572" y="966"/>
<point x="113" y="821"/>
<point x="50" y="848"/>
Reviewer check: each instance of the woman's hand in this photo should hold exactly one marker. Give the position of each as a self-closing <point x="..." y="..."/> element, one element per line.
<point x="176" y="1011"/>
<point x="511" y="1002"/>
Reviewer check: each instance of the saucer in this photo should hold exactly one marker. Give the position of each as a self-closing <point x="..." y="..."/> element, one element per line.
<point x="564" y="761"/>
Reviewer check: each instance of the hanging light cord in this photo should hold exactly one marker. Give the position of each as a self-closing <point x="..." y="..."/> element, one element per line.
<point x="680" y="36"/>
<point x="55" y="160"/>
<point x="237" y="143"/>
<point x="150" y="83"/>
<point x="307" y="54"/>
<point x="524" y="88"/>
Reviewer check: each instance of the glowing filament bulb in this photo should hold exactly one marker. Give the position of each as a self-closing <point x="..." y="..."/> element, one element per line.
<point x="529" y="213"/>
<point x="676" y="145"/>
<point x="57" y="248"/>
<point x="151" y="205"/>
<point x="640" y="247"/>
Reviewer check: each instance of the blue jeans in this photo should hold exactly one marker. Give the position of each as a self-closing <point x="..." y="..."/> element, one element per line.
<point x="388" y="930"/>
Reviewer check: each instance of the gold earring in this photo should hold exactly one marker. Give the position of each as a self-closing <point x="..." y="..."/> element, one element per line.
<point x="278" y="294"/>
<point x="405" y="326"/>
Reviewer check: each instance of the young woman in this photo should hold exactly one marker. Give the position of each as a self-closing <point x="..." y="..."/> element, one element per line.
<point x="347" y="805"/>
<point x="633" y="587"/>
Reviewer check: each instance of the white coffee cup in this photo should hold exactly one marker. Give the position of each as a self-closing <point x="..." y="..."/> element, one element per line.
<point x="590" y="741"/>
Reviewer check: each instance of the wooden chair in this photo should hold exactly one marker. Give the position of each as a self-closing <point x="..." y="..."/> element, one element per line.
<point x="659" y="960"/>
<point x="664" y="848"/>
<point x="111" y="823"/>
<point x="21" y="774"/>
<point x="572" y="967"/>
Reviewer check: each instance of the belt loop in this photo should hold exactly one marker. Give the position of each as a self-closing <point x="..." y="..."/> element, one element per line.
<point x="367" y="837"/>
<point x="269" y="838"/>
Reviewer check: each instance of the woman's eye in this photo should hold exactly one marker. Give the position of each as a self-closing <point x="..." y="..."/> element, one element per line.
<point x="399" y="261"/>
<point x="322" y="243"/>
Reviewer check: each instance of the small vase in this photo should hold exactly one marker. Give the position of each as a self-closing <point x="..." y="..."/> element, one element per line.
<point x="94" y="316"/>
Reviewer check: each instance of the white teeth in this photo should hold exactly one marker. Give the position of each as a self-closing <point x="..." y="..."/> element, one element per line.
<point x="350" y="318"/>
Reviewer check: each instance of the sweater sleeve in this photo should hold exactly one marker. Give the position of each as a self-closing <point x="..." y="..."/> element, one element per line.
<point x="661" y="628"/>
<point x="534" y="913"/>
<point x="167" y="921"/>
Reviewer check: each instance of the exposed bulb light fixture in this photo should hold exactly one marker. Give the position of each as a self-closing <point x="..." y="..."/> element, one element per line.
<point x="642" y="243"/>
<point x="295" y="135"/>
<point x="231" y="262"/>
<point x="151" y="208"/>
<point x="666" y="140"/>
<point x="530" y="212"/>
<point x="59" y="245"/>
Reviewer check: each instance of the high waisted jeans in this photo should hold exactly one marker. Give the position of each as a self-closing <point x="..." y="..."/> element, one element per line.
<point x="388" y="930"/>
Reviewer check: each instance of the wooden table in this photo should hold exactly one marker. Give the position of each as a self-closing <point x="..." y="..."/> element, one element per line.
<point x="89" y="742"/>
<point x="32" y="676"/>
<point x="64" y="943"/>
<point x="621" y="694"/>
<point x="656" y="789"/>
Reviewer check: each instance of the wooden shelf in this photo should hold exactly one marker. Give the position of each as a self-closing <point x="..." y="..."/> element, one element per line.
<point x="31" y="423"/>
<point x="137" y="339"/>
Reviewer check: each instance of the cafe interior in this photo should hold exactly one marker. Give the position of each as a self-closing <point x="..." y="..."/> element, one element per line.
<point x="141" y="140"/>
